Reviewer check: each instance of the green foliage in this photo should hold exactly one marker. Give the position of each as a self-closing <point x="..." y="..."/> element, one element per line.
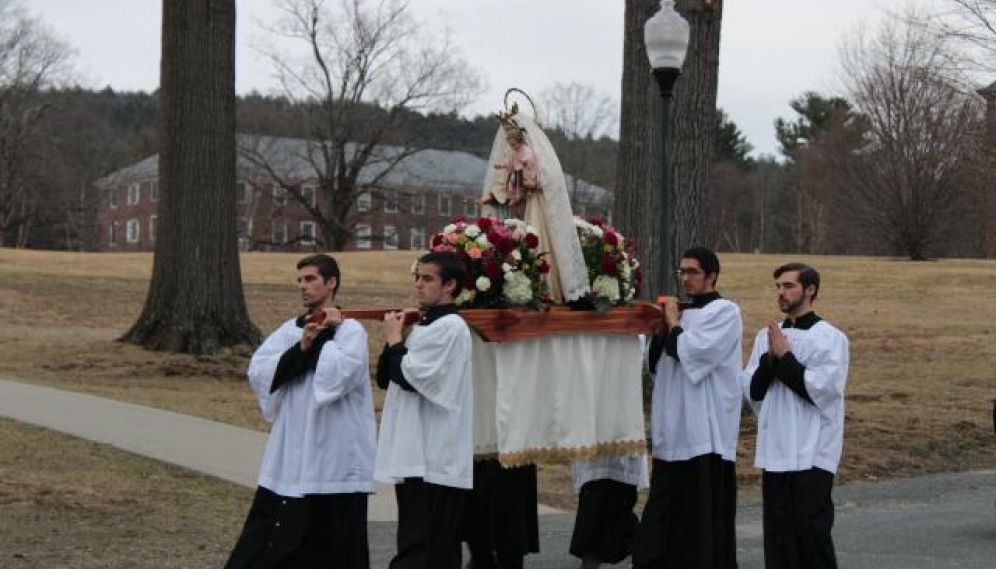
<point x="731" y="144"/>
<point x="815" y="115"/>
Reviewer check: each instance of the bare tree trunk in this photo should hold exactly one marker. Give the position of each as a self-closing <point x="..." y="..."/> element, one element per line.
<point x="195" y="302"/>
<point x="638" y="178"/>
<point x="694" y="121"/>
<point x="638" y="194"/>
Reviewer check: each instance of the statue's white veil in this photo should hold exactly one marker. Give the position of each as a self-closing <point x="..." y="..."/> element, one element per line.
<point x="560" y="219"/>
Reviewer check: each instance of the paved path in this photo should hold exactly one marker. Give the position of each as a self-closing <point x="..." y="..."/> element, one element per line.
<point x="932" y="522"/>
<point x="212" y="448"/>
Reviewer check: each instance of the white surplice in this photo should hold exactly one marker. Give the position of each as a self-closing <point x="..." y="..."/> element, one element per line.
<point x="792" y="433"/>
<point x="428" y="433"/>
<point x="697" y="398"/>
<point x="322" y="439"/>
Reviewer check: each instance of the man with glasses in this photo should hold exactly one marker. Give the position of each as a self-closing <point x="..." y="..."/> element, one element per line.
<point x="688" y="520"/>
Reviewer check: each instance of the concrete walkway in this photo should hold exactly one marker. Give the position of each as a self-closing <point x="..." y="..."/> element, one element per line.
<point x="938" y="522"/>
<point x="216" y="449"/>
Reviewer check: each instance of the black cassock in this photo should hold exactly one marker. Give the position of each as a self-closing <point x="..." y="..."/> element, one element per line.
<point x="501" y="524"/>
<point x="689" y="519"/>
<point x="311" y="532"/>
<point x="605" y="524"/>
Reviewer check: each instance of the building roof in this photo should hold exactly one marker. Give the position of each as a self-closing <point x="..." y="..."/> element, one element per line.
<point x="292" y="159"/>
<point x="991" y="89"/>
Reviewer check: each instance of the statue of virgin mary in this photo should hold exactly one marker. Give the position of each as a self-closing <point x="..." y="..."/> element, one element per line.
<point x="526" y="176"/>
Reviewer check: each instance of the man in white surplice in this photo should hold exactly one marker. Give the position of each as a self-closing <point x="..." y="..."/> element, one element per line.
<point x="311" y="378"/>
<point x="688" y="520"/>
<point x="795" y="381"/>
<point x="426" y="444"/>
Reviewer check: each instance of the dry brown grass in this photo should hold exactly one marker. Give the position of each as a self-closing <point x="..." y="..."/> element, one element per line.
<point x="918" y="397"/>
<point x="70" y="503"/>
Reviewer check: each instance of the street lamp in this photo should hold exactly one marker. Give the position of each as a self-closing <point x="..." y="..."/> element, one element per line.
<point x="666" y="38"/>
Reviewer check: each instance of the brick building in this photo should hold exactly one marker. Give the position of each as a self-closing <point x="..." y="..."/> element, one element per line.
<point x="400" y="209"/>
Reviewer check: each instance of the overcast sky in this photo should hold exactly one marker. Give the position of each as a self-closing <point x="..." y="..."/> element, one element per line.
<point x="772" y="50"/>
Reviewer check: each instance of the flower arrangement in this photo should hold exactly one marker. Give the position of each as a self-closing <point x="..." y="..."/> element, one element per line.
<point x="614" y="273"/>
<point x="504" y="264"/>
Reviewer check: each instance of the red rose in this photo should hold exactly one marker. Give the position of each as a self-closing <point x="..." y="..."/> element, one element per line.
<point x="492" y="269"/>
<point x="611" y="239"/>
<point x="532" y="241"/>
<point x="544" y="267"/>
<point x="608" y="265"/>
<point x="597" y="221"/>
<point x="484" y="223"/>
<point x="458" y="219"/>
<point x="437" y="239"/>
<point x="505" y="245"/>
<point x="469" y="283"/>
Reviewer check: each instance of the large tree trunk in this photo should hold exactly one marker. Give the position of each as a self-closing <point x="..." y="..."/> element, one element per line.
<point x="638" y="194"/>
<point x="195" y="302"/>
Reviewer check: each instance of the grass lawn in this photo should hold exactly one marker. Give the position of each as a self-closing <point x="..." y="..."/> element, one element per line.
<point x="918" y="396"/>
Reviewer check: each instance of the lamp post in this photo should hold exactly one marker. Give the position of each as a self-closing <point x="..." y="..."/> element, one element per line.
<point x="666" y="38"/>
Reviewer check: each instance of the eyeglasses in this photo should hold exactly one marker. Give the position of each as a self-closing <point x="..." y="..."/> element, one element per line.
<point x="688" y="272"/>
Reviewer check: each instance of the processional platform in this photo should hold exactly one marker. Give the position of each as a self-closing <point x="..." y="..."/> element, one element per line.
<point x="557" y="385"/>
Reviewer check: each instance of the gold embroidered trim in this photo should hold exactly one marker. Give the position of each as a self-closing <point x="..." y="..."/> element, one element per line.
<point x="555" y="455"/>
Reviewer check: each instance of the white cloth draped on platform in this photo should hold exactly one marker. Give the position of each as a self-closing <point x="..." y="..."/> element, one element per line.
<point x="560" y="397"/>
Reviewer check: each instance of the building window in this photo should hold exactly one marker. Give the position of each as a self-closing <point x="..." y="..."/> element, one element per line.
<point x="362" y="236"/>
<point x="134" y="194"/>
<point x="390" y="202"/>
<point x="279" y="196"/>
<point x="153" y="221"/>
<point x="242" y="192"/>
<point x="154" y="191"/>
<point x="112" y="233"/>
<point x="363" y="202"/>
<point x="242" y="228"/>
<point x="306" y="232"/>
<point x="470" y="208"/>
<point x="445" y="204"/>
<point x="417" y="241"/>
<point x="132" y="231"/>
<point x="112" y="198"/>
<point x="390" y="237"/>
<point x="279" y="232"/>
<point x="309" y="196"/>
<point x="418" y="204"/>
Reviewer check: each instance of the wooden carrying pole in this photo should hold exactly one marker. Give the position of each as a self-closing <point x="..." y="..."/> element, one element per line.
<point x="512" y="324"/>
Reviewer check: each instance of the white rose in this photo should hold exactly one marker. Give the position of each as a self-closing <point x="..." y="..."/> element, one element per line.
<point x="482" y="241"/>
<point x="472" y="231"/>
<point x="506" y="268"/>
<point x="606" y="287"/>
<point x="518" y="289"/>
<point x="516" y="255"/>
<point x="449" y="228"/>
<point x="483" y="284"/>
<point x="531" y="229"/>
<point x="597" y="231"/>
<point x="465" y="297"/>
<point x="514" y="223"/>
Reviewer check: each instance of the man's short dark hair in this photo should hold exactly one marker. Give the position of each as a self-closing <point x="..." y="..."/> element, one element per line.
<point x="807" y="275"/>
<point x="706" y="257"/>
<point x="327" y="267"/>
<point x="451" y="268"/>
